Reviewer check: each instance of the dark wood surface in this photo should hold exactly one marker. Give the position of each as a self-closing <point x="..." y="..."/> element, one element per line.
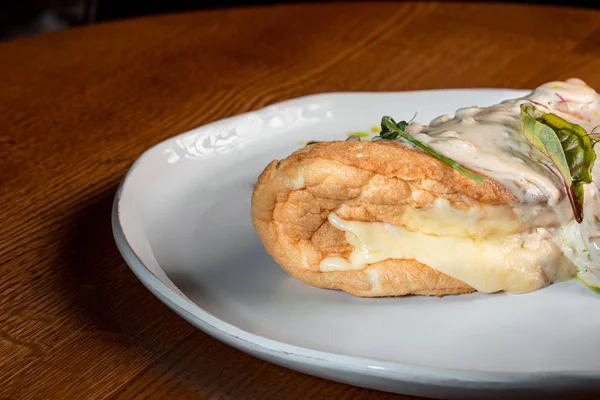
<point x="77" y="107"/>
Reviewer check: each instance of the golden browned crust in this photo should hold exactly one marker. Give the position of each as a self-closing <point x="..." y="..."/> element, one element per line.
<point x="361" y="181"/>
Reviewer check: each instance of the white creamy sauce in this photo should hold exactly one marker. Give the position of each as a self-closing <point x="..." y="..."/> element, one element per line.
<point x="516" y="248"/>
<point x="489" y="140"/>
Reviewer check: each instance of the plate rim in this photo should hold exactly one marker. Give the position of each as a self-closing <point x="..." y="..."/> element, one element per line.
<point x="269" y="349"/>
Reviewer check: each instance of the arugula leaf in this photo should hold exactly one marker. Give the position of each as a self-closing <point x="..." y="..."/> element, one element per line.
<point x="391" y="130"/>
<point x="568" y="147"/>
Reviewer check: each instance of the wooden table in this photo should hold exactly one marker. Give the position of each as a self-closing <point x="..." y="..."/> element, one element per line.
<point x="77" y="107"/>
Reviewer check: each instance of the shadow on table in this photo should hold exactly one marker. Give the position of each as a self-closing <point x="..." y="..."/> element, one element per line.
<point x="112" y="297"/>
<point x="181" y="361"/>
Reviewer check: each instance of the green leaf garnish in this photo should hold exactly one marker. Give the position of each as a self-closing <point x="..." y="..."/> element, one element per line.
<point x="312" y="142"/>
<point x="568" y="147"/>
<point x="391" y="130"/>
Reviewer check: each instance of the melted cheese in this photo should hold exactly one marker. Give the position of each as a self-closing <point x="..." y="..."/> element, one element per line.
<point x="515" y="263"/>
<point x="442" y="219"/>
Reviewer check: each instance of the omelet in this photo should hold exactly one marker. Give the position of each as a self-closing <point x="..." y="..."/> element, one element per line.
<point x="378" y="218"/>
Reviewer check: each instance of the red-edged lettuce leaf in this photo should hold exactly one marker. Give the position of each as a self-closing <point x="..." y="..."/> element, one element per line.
<point x="567" y="146"/>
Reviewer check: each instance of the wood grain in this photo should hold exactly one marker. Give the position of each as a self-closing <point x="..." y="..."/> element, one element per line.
<point x="77" y="107"/>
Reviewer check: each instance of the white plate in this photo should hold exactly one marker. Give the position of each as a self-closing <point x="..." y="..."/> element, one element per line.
<point x="182" y="222"/>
